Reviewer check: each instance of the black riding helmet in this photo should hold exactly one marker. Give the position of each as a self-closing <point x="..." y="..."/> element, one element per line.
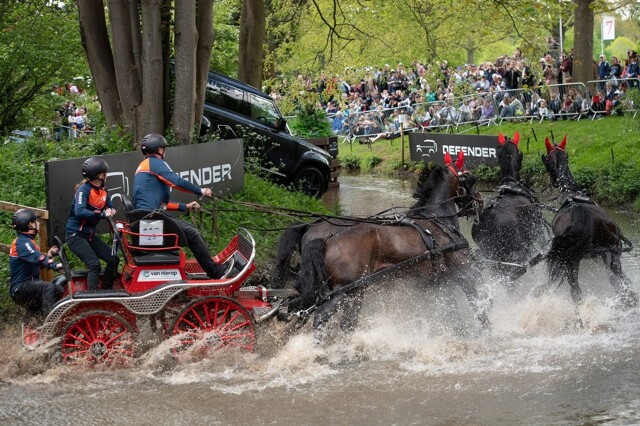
<point x="151" y="143"/>
<point x="22" y="218"/>
<point x="92" y="167"/>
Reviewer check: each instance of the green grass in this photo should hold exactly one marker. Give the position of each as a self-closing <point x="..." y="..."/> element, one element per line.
<point x="603" y="154"/>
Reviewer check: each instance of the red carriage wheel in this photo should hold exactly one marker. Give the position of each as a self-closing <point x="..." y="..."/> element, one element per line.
<point x="214" y="323"/>
<point x="98" y="337"/>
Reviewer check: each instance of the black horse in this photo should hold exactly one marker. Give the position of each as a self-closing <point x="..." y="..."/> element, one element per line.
<point x="425" y="243"/>
<point x="581" y="228"/>
<point x="511" y="231"/>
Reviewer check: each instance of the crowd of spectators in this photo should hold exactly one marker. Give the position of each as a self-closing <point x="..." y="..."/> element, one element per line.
<point x="71" y="121"/>
<point x="428" y="96"/>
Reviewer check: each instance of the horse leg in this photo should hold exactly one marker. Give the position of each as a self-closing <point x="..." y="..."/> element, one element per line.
<point x="469" y="289"/>
<point x="573" y="268"/>
<point x="620" y="282"/>
<point x="323" y="313"/>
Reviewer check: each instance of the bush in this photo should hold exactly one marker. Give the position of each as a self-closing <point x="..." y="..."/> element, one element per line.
<point x="369" y="162"/>
<point x="350" y="161"/>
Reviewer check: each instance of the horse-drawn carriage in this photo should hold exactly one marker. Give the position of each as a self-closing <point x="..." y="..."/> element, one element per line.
<point x="160" y="284"/>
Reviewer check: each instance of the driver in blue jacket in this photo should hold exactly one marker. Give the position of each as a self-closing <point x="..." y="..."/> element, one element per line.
<point x="152" y="190"/>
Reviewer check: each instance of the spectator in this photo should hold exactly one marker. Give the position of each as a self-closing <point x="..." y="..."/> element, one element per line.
<point x="464" y="111"/>
<point x="487" y="112"/>
<point x="604" y="70"/>
<point x="568" y="108"/>
<point x="616" y="71"/>
<point x="512" y="76"/>
<point x="512" y="107"/>
<point x="554" y="104"/>
<point x="616" y="105"/>
<point x="598" y="103"/>
<point x="544" y="112"/>
<point x="609" y="91"/>
<point x="632" y="70"/>
<point x="336" y="124"/>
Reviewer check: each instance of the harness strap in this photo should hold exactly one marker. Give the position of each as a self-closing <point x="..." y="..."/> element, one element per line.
<point x="428" y="239"/>
<point x="452" y="246"/>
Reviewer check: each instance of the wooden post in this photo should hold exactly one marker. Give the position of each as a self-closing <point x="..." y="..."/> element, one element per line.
<point x="402" y="142"/>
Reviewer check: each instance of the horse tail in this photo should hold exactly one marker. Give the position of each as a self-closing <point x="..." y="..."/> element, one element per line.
<point x="288" y="243"/>
<point x="313" y="275"/>
<point x="571" y="245"/>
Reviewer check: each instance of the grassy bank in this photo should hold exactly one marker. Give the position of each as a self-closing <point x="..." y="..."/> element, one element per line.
<point x="603" y="155"/>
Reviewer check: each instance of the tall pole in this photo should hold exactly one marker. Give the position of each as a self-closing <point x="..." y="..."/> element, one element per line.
<point x="560" y="32"/>
<point x="602" y="37"/>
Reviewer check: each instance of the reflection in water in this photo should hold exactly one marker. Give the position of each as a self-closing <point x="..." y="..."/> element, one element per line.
<point x="418" y="357"/>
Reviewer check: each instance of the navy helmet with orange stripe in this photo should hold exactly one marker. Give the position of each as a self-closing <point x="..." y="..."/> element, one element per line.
<point x="151" y="142"/>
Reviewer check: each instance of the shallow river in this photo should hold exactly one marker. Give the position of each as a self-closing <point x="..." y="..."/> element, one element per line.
<point x="418" y="357"/>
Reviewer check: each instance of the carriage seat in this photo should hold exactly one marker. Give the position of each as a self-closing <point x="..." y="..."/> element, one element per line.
<point x="166" y="250"/>
<point x="132" y="214"/>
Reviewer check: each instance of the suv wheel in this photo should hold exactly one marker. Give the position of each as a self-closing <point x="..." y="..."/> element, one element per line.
<point x="310" y="181"/>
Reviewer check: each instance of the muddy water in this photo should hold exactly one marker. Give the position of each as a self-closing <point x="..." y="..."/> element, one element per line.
<point x="418" y="357"/>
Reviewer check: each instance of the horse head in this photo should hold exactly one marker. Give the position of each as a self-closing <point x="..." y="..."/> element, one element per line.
<point x="468" y="200"/>
<point x="441" y="189"/>
<point x="556" y="161"/>
<point x="509" y="157"/>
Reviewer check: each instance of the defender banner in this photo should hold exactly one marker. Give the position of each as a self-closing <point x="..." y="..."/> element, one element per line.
<point x="432" y="146"/>
<point x="218" y="165"/>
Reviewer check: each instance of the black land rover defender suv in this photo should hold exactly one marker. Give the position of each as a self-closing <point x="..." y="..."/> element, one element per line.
<point x="231" y="105"/>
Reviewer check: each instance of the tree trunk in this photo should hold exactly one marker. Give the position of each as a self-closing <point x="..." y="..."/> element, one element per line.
<point x="252" y="32"/>
<point x="136" y="47"/>
<point x="583" y="42"/>
<point x="124" y="61"/>
<point x="149" y="117"/>
<point x="185" y="68"/>
<point x="203" y="54"/>
<point x="95" y="40"/>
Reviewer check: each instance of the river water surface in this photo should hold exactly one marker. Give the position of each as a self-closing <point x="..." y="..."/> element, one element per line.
<point x="418" y="357"/>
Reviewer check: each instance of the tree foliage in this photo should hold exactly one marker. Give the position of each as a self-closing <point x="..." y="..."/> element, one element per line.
<point x="38" y="48"/>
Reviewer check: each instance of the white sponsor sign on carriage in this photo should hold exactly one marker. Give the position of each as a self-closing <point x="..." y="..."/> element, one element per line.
<point x="160" y="275"/>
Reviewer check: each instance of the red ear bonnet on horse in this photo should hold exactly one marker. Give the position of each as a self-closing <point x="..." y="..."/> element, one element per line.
<point x="548" y="145"/>
<point x="501" y="139"/>
<point x="516" y="138"/>
<point x="447" y="159"/>
<point x="460" y="161"/>
<point x="563" y="143"/>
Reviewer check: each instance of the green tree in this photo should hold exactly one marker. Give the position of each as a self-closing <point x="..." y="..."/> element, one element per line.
<point x="144" y="49"/>
<point x="38" y="48"/>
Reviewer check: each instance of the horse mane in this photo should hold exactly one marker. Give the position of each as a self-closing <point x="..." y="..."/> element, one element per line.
<point x="510" y="160"/>
<point x="427" y="182"/>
